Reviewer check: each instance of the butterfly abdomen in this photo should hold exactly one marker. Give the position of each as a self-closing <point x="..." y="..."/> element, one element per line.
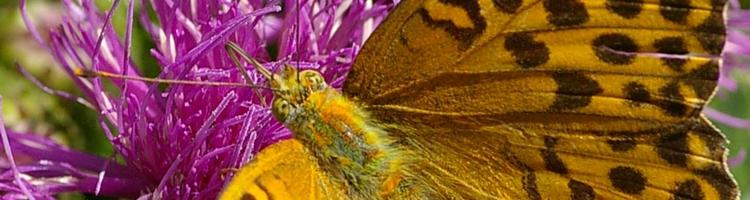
<point x="348" y="146"/>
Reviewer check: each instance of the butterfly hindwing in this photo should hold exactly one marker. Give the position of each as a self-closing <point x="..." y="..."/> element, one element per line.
<point x="596" y="99"/>
<point x="283" y="170"/>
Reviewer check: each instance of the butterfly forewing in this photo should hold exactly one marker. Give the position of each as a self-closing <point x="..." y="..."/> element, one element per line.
<point x="596" y="99"/>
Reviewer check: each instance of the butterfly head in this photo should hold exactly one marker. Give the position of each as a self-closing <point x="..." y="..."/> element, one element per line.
<point x="291" y="89"/>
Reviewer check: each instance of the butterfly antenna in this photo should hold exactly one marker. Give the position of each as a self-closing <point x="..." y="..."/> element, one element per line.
<point x="90" y="73"/>
<point x="233" y="48"/>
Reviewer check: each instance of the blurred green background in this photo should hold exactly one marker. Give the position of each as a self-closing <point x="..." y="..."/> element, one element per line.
<point x="27" y="108"/>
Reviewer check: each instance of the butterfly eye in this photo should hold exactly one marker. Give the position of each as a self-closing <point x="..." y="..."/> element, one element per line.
<point x="280" y="109"/>
<point x="313" y="79"/>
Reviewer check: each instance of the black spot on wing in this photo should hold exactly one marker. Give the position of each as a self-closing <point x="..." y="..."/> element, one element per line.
<point x="627" y="179"/>
<point x="688" y="190"/>
<point x="703" y="79"/>
<point x="636" y="93"/>
<point x="465" y="36"/>
<point x="528" y="180"/>
<point x="673" y="148"/>
<point x="711" y="32"/>
<point x="627" y="9"/>
<point x="247" y="196"/>
<point x="527" y="52"/>
<point x="720" y="180"/>
<point x="672" y="46"/>
<point x="507" y="6"/>
<point x="563" y="13"/>
<point x="529" y="185"/>
<point x="551" y="161"/>
<point x="613" y="48"/>
<point x="675" y="11"/>
<point x="672" y="101"/>
<point x="574" y="90"/>
<point x="707" y="71"/>
<point x="580" y="191"/>
<point x="621" y="145"/>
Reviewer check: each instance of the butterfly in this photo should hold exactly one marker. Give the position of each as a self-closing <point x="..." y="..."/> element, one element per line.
<point x="508" y="99"/>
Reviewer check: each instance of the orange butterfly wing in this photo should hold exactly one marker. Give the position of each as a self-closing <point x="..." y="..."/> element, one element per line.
<point x="551" y="98"/>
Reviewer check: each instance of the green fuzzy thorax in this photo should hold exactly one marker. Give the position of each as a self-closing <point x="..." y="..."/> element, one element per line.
<point x="348" y="146"/>
<point x="355" y="152"/>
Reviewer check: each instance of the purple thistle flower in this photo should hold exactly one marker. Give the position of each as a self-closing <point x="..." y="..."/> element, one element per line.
<point x="737" y="49"/>
<point x="182" y="142"/>
<point x="735" y="57"/>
